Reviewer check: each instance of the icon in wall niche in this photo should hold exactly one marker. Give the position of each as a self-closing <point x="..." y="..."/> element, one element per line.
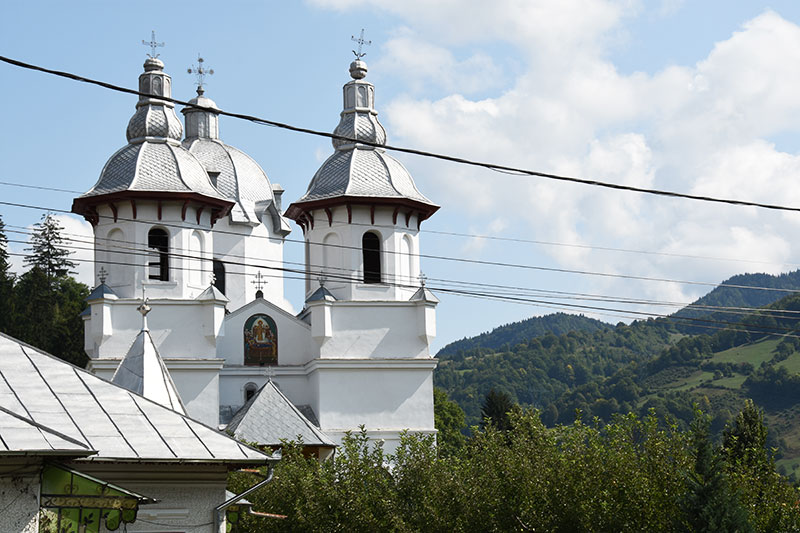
<point x="260" y="341"/>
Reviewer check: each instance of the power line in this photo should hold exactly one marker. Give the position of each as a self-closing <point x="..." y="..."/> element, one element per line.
<point x="120" y="246"/>
<point x="500" y="238"/>
<point x="453" y="159"/>
<point x="460" y="259"/>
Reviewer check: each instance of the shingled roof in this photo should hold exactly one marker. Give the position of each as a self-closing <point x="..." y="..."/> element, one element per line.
<point x="269" y="416"/>
<point x="80" y="409"/>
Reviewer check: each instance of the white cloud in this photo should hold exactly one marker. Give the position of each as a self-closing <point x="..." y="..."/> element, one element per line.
<point x="702" y="128"/>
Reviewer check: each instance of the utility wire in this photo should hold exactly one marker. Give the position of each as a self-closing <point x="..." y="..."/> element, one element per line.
<point x="120" y="246"/>
<point x="501" y="238"/>
<point x="423" y="153"/>
<point x="459" y="259"/>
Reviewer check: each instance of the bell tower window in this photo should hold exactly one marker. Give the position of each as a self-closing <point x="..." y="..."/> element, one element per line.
<point x="371" y="249"/>
<point x="158" y="264"/>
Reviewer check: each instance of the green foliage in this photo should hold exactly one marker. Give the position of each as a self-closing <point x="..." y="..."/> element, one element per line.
<point x="448" y="420"/>
<point x="49" y="253"/>
<point x="710" y="504"/>
<point x="629" y="475"/>
<point x="496" y="410"/>
<point x="503" y="337"/>
<point x="42" y="307"/>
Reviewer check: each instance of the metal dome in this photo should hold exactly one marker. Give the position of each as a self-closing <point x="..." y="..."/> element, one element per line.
<point x="359" y="169"/>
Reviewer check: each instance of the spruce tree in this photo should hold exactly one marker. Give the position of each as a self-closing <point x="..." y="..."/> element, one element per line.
<point x="710" y="504"/>
<point x="6" y="283"/>
<point x="49" y="253"/>
<point x="496" y="407"/>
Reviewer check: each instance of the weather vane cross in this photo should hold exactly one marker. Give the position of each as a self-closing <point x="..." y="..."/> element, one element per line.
<point x="153" y="44"/>
<point x="201" y="72"/>
<point x="361" y="42"/>
<point x="102" y="275"/>
<point x="422" y="279"/>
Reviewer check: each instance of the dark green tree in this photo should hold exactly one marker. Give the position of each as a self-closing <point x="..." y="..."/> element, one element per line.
<point x="710" y="504"/>
<point x="48" y="251"/>
<point x="7" y="279"/>
<point x="496" y="408"/>
<point x="448" y="419"/>
<point x="745" y="440"/>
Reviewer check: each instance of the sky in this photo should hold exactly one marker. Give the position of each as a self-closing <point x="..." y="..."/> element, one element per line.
<point x="697" y="96"/>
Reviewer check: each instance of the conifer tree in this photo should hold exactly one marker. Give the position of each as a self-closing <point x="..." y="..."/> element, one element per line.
<point x="49" y="253"/>
<point x="711" y="505"/>
<point x="6" y="283"/>
<point x="495" y="409"/>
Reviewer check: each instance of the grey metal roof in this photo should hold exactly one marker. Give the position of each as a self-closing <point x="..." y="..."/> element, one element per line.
<point x="212" y="293"/>
<point x="100" y="292"/>
<point x="269" y="417"/>
<point x="356" y="169"/>
<point x="21" y="435"/>
<point x="143" y="371"/>
<point x="424" y="295"/>
<point x="153" y="160"/>
<point x="153" y="167"/>
<point x="321" y="294"/>
<point x="120" y="425"/>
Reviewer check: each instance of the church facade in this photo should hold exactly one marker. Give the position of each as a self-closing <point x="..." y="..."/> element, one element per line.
<point x="192" y="222"/>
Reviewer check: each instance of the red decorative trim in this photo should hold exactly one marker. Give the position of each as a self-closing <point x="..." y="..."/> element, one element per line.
<point x="199" y="212"/>
<point x="113" y="210"/>
<point x="394" y="215"/>
<point x="408" y="217"/>
<point x="349" y="214"/>
<point x="372" y="214"/>
<point x="183" y="209"/>
<point x="133" y="208"/>
<point x="423" y="210"/>
<point x="159" y="210"/>
<point x="330" y="216"/>
<point x="84" y="204"/>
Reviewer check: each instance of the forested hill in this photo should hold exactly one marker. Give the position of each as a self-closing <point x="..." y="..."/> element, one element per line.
<point x="523" y="331"/>
<point x="729" y="294"/>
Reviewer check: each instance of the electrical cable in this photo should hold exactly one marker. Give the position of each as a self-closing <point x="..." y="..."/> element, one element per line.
<point x="423" y="153"/>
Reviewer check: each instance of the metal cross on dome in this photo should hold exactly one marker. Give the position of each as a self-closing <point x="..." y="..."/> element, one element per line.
<point x="153" y="44"/>
<point x="200" y="71"/>
<point x="102" y="275"/>
<point x="422" y="279"/>
<point x="361" y="42"/>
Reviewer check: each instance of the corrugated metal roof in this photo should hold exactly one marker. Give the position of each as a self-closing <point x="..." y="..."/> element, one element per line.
<point x="269" y="416"/>
<point x="119" y="424"/>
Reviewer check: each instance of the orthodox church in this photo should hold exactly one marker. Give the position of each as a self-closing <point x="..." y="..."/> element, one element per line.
<point x="193" y="222"/>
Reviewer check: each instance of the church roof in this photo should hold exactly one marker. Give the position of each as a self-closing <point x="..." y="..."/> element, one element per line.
<point x="153" y="163"/>
<point x="143" y="371"/>
<point x="100" y="292"/>
<point x="119" y="424"/>
<point x="357" y="171"/>
<point x="269" y="417"/>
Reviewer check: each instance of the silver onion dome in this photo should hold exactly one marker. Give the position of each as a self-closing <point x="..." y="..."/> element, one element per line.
<point x="153" y="163"/>
<point x="235" y="174"/>
<point x="360" y="169"/>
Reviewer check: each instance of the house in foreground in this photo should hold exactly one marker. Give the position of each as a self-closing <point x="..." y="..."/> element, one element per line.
<point x="89" y="452"/>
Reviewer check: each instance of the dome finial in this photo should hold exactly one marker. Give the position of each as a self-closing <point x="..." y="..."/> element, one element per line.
<point x="358" y="69"/>
<point x="153" y="44"/>
<point x="200" y="72"/>
<point x="144" y="309"/>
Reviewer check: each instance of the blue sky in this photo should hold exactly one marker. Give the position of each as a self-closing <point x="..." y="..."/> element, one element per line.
<point x="699" y="97"/>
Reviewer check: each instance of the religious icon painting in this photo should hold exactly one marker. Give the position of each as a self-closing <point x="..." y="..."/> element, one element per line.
<point x="260" y="341"/>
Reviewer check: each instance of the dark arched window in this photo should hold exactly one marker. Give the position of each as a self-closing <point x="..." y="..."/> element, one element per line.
<point x="219" y="275"/>
<point x="249" y="391"/>
<point x="158" y="266"/>
<point x="371" y="248"/>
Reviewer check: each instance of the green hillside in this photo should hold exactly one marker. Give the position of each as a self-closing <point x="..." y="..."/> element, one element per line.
<point x="509" y="335"/>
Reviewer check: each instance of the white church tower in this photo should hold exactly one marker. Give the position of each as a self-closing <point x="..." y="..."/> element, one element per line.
<point x="371" y="321"/>
<point x="153" y="209"/>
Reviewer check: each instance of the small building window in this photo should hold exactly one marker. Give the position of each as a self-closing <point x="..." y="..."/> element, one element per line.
<point x="219" y="275"/>
<point x="249" y="391"/>
<point x="158" y="265"/>
<point x="371" y="249"/>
